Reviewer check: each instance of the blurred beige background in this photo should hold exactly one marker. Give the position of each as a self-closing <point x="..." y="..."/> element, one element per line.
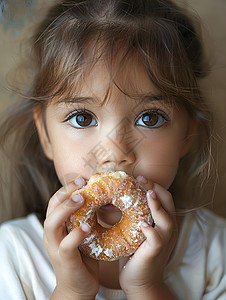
<point x="18" y="18"/>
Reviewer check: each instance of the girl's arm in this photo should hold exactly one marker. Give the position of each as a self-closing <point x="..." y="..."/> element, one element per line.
<point x="158" y="292"/>
<point x="61" y="294"/>
<point x="75" y="280"/>
<point x="142" y="276"/>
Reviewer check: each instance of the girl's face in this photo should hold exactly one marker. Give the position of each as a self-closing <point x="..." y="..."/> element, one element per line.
<point x="142" y="135"/>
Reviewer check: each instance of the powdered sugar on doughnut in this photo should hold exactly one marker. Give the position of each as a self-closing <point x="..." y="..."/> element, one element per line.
<point x="127" y="201"/>
<point x="124" y="237"/>
<point x="96" y="249"/>
<point x="108" y="252"/>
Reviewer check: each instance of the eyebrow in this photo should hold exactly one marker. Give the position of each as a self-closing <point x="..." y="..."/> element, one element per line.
<point x="153" y="97"/>
<point x="78" y="100"/>
<point x="82" y="99"/>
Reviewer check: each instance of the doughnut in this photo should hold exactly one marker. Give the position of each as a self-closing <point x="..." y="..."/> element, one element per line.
<point x="124" y="237"/>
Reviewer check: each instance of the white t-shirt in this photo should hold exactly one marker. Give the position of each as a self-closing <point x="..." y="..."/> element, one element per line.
<point x="196" y="271"/>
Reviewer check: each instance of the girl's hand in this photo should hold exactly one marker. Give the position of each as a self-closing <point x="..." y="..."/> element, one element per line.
<point x="143" y="273"/>
<point x="75" y="280"/>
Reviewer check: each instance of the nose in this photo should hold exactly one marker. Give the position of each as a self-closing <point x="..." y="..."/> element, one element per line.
<point x="118" y="145"/>
<point x="117" y="153"/>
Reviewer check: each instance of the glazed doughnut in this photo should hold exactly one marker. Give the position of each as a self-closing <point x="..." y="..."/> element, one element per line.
<point x="123" y="238"/>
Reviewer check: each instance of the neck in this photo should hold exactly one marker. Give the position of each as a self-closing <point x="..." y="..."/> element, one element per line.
<point x="109" y="273"/>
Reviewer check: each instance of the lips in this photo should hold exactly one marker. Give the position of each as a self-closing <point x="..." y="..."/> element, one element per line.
<point x="109" y="208"/>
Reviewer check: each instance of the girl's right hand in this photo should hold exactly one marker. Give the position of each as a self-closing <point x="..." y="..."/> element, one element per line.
<point x="75" y="279"/>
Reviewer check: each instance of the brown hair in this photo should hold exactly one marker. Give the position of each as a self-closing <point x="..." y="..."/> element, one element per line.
<point x="158" y="31"/>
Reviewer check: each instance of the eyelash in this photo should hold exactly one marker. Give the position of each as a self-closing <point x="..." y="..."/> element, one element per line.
<point x="162" y="117"/>
<point x="76" y="113"/>
<point x="158" y="113"/>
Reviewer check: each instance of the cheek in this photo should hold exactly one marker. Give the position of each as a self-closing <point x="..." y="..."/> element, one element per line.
<point x="161" y="170"/>
<point x="159" y="160"/>
<point x="70" y="158"/>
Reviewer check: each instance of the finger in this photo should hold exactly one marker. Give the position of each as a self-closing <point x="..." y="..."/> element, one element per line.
<point x="164" y="222"/>
<point x="64" y="193"/>
<point x="143" y="181"/>
<point x="54" y="225"/>
<point x="153" y="239"/>
<point x="164" y="196"/>
<point x="68" y="248"/>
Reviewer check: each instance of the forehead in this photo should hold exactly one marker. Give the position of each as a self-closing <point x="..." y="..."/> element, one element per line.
<point x="125" y="75"/>
<point x="108" y="70"/>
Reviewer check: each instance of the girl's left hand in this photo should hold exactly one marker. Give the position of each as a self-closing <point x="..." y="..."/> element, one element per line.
<point x="144" y="271"/>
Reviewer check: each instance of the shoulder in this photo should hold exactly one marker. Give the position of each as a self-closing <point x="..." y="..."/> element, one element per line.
<point x="26" y="224"/>
<point x="211" y="224"/>
<point x="26" y="271"/>
<point x="24" y="230"/>
<point x="213" y="229"/>
<point x="199" y="262"/>
<point x="211" y="218"/>
<point x="206" y="226"/>
<point x="203" y="238"/>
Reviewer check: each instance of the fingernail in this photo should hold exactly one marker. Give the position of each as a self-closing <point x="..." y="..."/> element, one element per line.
<point x="152" y="194"/>
<point x="79" y="181"/>
<point x="144" y="224"/>
<point x="77" y="198"/>
<point x="85" y="227"/>
<point x="141" y="179"/>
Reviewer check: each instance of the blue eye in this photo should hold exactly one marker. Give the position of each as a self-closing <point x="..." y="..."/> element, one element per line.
<point x="151" y="119"/>
<point x="81" y="119"/>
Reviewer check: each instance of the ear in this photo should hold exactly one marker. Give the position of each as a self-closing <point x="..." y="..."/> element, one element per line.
<point x="42" y="133"/>
<point x="189" y="138"/>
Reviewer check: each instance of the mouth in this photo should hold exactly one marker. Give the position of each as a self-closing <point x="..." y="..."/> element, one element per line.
<point x="109" y="208"/>
<point x="108" y="215"/>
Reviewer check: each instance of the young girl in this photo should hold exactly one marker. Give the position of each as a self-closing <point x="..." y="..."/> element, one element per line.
<point x="115" y="88"/>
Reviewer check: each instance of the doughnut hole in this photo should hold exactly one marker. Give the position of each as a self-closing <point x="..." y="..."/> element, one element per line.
<point x="108" y="215"/>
